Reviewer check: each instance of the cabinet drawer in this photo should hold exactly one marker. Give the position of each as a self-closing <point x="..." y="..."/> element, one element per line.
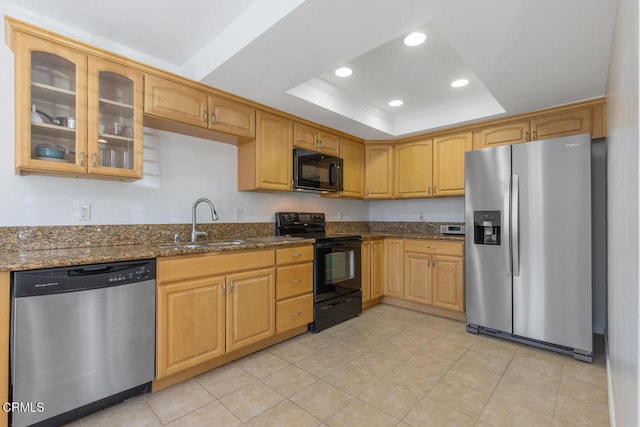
<point x="434" y="247"/>
<point x="294" y="280"/>
<point x="192" y="266"/>
<point x="294" y="255"/>
<point x="294" y="312"/>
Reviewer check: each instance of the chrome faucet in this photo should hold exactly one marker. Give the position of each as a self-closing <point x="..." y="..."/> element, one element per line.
<point x="214" y="216"/>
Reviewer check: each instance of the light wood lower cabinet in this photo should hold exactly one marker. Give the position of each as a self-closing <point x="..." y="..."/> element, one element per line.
<point x="371" y="270"/>
<point x="434" y="273"/>
<point x="250" y="306"/>
<point x="393" y="267"/>
<point x="294" y="288"/>
<point x="203" y="313"/>
<point x="191" y="323"/>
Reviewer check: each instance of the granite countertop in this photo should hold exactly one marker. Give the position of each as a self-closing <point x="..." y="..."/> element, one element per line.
<point x="370" y="235"/>
<point x="49" y="258"/>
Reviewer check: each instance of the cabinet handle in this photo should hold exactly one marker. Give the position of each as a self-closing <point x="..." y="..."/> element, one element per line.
<point x="82" y="158"/>
<point x="296" y="313"/>
<point x="296" y="255"/>
<point x="94" y="159"/>
<point x="223" y="285"/>
<point x="230" y="286"/>
<point x="526" y="136"/>
<point x="213" y="118"/>
<point x="296" y="280"/>
<point x="533" y="135"/>
<point x="204" y="116"/>
<point x="433" y="262"/>
<point x="429" y="190"/>
<point x="432" y="247"/>
<point x="435" y="189"/>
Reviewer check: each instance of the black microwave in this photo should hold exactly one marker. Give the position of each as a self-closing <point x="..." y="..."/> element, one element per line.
<point x="316" y="172"/>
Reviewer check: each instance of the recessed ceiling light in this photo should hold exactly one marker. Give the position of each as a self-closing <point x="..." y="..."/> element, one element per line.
<point x="459" y="83"/>
<point x="396" y="103"/>
<point x="415" y="39"/>
<point x="344" y="72"/>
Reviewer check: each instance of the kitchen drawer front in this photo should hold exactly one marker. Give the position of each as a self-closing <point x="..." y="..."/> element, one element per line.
<point x="434" y="247"/>
<point x="294" y="255"/>
<point x="175" y="268"/>
<point x="294" y="280"/>
<point x="294" y="312"/>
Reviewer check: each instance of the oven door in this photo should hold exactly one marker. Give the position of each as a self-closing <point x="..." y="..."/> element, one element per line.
<point x="337" y="267"/>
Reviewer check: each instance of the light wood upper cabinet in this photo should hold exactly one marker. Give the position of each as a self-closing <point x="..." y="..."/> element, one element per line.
<point x="448" y="163"/>
<point x="502" y="134"/>
<point x="378" y="163"/>
<point x="570" y="122"/>
<point x="176" y="101"/>
<point x="76" y="114"/>
<point x="190" y="324"/>
<point x="413" y="169"/>
<point x="352" y="154"/>
<point x="314" y="139"/>
<point x="589" y="117"/>
<point x="266" y="162"/>
<point x="228" y="116"/>
<point x="250" y="307"/>
<point x="168" y="99"/>
<point x="393" y="267"/>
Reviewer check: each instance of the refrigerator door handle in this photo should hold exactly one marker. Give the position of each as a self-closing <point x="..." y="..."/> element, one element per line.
<point x="515" y="230"/>
<point x="506" y="212"/>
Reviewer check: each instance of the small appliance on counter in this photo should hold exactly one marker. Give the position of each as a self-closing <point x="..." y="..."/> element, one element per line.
<point x="336" y="268"/>
<point x="452" y="229"/>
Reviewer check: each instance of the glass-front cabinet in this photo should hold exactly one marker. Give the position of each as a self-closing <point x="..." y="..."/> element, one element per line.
<point x="115" y="119"/>
<point x="76" y="114"/>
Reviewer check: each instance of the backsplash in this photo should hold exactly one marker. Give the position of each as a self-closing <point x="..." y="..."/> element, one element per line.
<point x="79" y="236"/>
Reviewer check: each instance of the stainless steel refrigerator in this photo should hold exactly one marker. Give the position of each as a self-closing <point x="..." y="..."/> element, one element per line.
<point x="528" y="243"/>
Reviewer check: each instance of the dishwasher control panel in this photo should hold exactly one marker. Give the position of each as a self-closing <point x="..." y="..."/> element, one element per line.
<point x="81" y="277"/>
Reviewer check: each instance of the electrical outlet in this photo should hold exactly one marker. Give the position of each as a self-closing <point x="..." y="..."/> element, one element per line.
<point x="84" y="213"/>
<point x="239" y="214"/>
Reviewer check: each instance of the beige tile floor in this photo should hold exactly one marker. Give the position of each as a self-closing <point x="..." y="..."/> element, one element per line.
<point x="388" y="367"/>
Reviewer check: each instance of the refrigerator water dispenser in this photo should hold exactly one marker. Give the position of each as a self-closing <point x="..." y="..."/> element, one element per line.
<point x="486" y="227"/>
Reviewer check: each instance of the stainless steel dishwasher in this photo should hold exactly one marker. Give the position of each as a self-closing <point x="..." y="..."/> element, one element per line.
<point x="82" y="339"/>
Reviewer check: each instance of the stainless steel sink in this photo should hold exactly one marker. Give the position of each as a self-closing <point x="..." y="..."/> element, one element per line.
<point x="203" y="244"/>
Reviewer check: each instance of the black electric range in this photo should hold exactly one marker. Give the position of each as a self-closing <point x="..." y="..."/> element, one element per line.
<point x="337" y="267"/>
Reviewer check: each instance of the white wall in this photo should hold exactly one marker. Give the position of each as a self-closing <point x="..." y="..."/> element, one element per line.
<point x="623" y="217"/>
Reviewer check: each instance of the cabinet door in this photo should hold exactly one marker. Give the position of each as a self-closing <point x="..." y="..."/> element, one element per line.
<point x="448" y="163"/>
<point x="115" y="119"/>
<point x="377" y="264"/>
<point x="352" y="154"/>
<point x="417" y="277"/>
<point x="393" y="267"/>
<point x="190" y="324"/>
<point x="570" y="122"/>
<point x="329" y="143"/>
<point x="378" y="165"/>
<point x="365" y="270"/>
<point x="231" y="117"/>
<point x="250" y="307"/>
<point x="413" y="161"/>
<point x="267" y="162"/>
<point x="448" y="282"/>
<point x="305" y="137"/>
<point x="166" y="99"/>
<point x="503" y="134"/>
<point x="51" y="107"/>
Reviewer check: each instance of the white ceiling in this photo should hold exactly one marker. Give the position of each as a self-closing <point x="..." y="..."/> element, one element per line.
<point x="519" y="55"/>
